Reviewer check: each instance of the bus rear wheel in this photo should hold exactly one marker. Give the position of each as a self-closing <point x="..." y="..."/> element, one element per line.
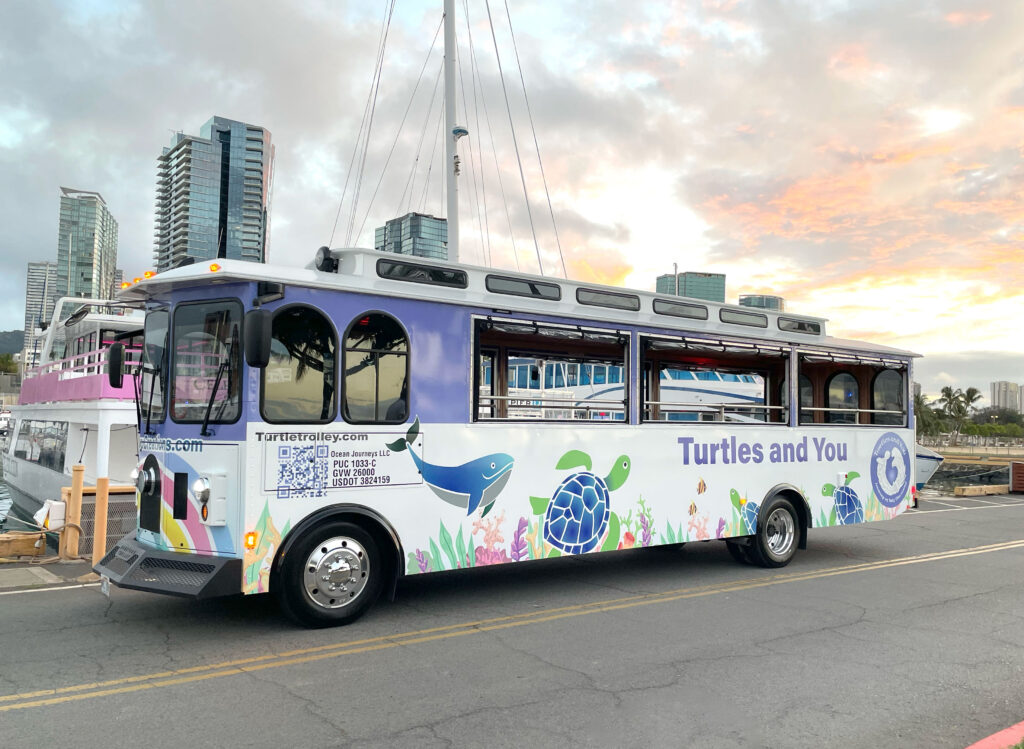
<point x="778" y="529"/>
<point x="332" y="575"/>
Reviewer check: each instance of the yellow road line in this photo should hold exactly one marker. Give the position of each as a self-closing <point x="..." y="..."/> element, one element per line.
<point x="307" y="655"/>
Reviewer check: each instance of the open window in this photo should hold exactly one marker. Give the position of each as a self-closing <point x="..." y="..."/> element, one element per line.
<point x="298" y="382"/>
<point x="849" y="388"/>
<point x="701" y="380"/>
<point x="375" y="366"/>
<point x="538" y="371"/>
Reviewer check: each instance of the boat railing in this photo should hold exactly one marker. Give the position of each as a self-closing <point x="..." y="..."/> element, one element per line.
<point x="86" y="364"/>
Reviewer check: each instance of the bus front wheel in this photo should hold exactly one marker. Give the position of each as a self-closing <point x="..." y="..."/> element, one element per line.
<point x="331" y="576"/>
<point x="778" y="529"/>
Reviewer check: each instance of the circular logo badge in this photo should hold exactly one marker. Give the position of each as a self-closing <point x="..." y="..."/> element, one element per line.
<point x="890" y="469"/>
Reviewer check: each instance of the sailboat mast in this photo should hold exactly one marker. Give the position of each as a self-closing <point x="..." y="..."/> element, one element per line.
<point x="450" y="131"/>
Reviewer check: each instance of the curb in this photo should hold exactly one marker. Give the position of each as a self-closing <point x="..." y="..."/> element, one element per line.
<point x="1006" y="738"/>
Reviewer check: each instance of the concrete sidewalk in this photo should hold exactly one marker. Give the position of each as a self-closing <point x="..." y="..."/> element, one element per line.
<point x="28" y="575"/>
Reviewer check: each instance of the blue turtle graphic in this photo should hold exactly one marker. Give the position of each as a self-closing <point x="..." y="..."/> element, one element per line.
<point x="848" y="506"/>
<point x="748" y="511"/>
<point x="470" y="485"/>
<point x="576" y="516"/>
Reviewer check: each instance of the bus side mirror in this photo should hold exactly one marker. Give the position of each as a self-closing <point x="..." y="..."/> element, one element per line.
<point x="257" y="338"/>
<point x="115" y="365"/>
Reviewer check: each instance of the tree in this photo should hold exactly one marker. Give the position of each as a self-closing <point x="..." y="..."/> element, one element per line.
<point x="7" y="364"/>
<point x="929" y="422"/>
<point x="969" y="397"/>
<point x="955" y="408"/>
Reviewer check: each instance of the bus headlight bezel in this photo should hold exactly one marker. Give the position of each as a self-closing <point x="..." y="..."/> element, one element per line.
<point x="201" y="489"/>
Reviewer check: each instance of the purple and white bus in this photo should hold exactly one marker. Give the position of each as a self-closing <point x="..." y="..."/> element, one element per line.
<point x="321" y="432"/>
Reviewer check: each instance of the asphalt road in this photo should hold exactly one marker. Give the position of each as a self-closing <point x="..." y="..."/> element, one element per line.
<point x="906" y="633"/>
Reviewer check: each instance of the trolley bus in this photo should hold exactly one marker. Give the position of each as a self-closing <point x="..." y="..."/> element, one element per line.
<point x="321" y="432"/>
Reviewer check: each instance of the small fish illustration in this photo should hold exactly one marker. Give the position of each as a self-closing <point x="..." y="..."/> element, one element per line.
<point x="701" y="487"/>
<point x="693" y="509"/>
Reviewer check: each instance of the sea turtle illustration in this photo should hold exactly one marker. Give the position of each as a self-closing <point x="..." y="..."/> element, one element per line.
<point x="576" y="516"/>
<point x="848" y="507"/>
<point x="748" y="511"/>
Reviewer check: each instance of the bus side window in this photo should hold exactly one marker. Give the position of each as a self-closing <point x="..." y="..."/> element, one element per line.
<point x="298" y="384"/>
<point x="375" y="365"/>
<point x="887" y="395"/>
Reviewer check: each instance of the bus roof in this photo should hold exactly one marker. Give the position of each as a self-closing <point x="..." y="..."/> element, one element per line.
<point x="507" y="292"/>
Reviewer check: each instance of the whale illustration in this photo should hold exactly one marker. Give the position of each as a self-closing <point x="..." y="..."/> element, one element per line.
<point x="471" y="485"/>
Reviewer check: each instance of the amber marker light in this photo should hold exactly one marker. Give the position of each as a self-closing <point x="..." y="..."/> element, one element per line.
<point x="149" y="274"/>
<point x="125" y="284"/>
<point x="205" y="512"/>
<point x="250" y="540"/>
<point x="136" y="279"/>
<point x="214" y="267"/>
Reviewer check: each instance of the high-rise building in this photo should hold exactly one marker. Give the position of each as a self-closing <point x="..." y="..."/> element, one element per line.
<point x="710" y="286"/>
<point x="1006" y="395"/>
<point x="118" y="280"/>
<point x="213" y="195"/>
<point x="763" y="301"/>
<point x="40" y="295"/>
<point x="414" y="234"/>
<point x="86" y="245"/>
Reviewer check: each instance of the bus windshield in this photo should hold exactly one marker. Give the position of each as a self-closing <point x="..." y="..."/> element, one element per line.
<point x="207" y="362"/>
<point x="154" y="367"/>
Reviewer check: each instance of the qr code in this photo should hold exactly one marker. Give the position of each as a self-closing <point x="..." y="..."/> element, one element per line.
<point x="301" y="471"/>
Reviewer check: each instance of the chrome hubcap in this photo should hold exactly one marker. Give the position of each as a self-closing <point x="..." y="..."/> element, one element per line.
<point x="336" y="572"/>
<point x="780" y="532"/>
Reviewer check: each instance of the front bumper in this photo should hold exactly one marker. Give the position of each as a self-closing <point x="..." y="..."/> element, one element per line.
<point x="131" y="565"/>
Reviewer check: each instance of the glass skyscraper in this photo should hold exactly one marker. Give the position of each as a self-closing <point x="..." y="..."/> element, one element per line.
<point x="213" y="194"/>
<point x="710" y="286"/>
<point x="86" y="245"/>
<point x="763" y="301"/>
<point x="414" y="234"/>
<point x="40" y="295"/>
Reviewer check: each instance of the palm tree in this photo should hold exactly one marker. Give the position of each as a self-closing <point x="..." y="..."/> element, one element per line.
<point x="971" y="396"/>
<point x="929" y="421"/>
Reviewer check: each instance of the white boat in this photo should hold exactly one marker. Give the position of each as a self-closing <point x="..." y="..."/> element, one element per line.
<point x="68" y="413"/>
<point x="926" y="463"/>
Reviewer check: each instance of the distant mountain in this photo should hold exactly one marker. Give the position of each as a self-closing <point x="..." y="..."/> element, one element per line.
<point x="11" y="341"/>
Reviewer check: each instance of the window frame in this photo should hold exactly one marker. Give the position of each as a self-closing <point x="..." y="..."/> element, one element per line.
<point x="172" y="360"/>
<point x="263" y="371"/>
<point x="611" y="294"/>
<point x="463" y="284"/>
<point x="496" y="277"/>
<point x="829" y="409"/>
<point x="901" y="373"/>
<point x="344" y="384"/>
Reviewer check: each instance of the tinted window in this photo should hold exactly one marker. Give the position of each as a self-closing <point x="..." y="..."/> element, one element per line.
<point x="523" y="287"/>
<point x="154" y="366"/>
<point x="887" y="395"/>
<point x="843" y="396"/>
<point x="421" y="274"/>
<point x="799" y="326"/>
<point x="42" y="442"/>
<point x="598" y="298"/>
<point x="753" y="319"/>
<point x="680" y="309"/>
<point x="376" y="370"/>
<point x="298" y="383"/>
<point x="207" y="362"/>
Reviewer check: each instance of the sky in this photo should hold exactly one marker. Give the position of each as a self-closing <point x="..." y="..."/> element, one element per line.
<point x="864" y="160"/>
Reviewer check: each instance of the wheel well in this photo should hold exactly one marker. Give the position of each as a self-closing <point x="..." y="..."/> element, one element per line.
<point x="382" y="533"/>
<point x="803" y="511"/>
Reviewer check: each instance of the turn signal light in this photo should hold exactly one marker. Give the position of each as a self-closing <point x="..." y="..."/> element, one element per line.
<point x="204" y="511"/>
<point x="250" y="540"/>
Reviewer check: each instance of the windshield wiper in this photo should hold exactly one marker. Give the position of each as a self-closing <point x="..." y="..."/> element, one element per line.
<point x="205" y="432"/>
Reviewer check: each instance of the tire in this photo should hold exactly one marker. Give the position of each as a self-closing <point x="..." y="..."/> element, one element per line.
<point x="343" y="551"/>
<point x="778" y="531"/>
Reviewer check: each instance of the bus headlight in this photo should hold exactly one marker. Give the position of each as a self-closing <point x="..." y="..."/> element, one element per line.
<point x="201" y="489"/>
<point x="145" y="480"/>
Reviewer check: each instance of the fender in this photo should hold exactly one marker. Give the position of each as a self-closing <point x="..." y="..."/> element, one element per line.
<point x="333" y="511"/>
